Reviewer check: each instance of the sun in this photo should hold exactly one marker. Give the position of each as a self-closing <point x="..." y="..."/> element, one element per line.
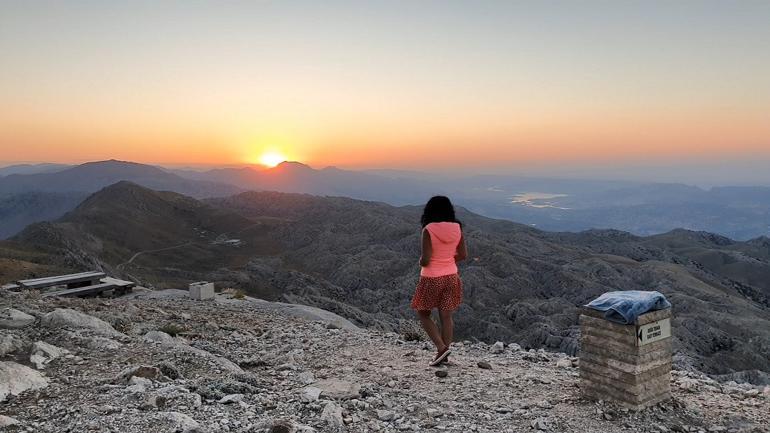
<point x="271" y="159"/>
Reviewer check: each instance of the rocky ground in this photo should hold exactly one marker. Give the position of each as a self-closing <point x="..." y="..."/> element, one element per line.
<point x="161" y="362"/>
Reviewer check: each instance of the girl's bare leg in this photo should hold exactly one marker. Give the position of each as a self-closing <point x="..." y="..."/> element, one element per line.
<point x="447" y="327"/>
<point x="431" y="329"/>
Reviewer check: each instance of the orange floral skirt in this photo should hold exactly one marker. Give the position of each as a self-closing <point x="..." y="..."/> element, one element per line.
<point x="444" y="292"/>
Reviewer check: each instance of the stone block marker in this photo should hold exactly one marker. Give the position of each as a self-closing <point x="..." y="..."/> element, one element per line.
<point x="627" y="364"/>
<point x="202" y="290"/>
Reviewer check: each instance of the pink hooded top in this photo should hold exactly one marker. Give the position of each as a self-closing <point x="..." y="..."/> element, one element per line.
<point x="444" y="238"/>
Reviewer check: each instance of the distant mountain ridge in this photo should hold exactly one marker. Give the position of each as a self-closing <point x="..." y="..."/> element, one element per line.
<point x="358" y="259"/>
<point x="47" y="195"/>
<point x="579" y="204"/>
<point x="570" y="205"/>
<point x="19" y="210"/>
<point x="93" y="176"/>
<point x="31" y="168"/>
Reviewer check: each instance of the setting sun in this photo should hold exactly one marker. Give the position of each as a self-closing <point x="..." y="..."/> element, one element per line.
<point x="271" y="159"/>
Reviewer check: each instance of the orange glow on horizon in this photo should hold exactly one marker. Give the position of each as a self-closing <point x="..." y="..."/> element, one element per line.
<point x="271" y="159"/>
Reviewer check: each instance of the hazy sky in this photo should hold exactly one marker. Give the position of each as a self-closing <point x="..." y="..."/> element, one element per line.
<point x="413" y="84"/>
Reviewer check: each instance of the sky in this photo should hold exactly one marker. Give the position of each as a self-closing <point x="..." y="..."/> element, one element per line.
<point x="475" y="85"/>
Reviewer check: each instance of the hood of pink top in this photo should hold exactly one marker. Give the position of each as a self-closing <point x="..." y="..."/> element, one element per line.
<point x="445" y="232"/>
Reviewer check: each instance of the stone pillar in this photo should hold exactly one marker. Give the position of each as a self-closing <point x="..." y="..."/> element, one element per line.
<point x="202" y="290"/>
<point x="627" y="364"/>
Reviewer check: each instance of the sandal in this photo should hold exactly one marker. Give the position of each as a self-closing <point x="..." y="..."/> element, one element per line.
<point x="440" y="357"/>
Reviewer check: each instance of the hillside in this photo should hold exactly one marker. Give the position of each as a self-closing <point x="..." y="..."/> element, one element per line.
<point x="93" y="176"/>
<point x="296" y="177"/>
<point x="248" y="366"/>
<point x="28" y="196"/>
<point x="648" y="208"/>
<point x="358" y="259"/>
<point x="20" y="210"/>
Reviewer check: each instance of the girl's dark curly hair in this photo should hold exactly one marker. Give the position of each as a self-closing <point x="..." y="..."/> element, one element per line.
<point x="438" y="209"/>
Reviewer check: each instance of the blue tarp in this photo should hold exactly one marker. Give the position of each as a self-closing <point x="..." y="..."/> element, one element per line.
<point x="625" y="306"/>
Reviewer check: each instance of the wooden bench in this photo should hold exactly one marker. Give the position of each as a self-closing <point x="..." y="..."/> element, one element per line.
<point x="81" y="284"/>
<point x="71" y="280"/>
<point x="119" y="287"/>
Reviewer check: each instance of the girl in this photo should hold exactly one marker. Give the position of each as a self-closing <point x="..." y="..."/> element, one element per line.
<point x="439" y="287"/>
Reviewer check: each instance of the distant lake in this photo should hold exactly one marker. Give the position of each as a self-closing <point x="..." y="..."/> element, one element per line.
<point x="537" y="199"/>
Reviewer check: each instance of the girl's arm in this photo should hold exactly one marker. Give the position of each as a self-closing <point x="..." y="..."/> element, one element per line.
<point x="427" y="249"/>
<point x="462" y="250"/>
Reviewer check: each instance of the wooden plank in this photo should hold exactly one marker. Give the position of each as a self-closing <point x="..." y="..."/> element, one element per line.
<point x="39" y="283"/>
<point x="117" y="282"/>
<point x="82" y="291"/>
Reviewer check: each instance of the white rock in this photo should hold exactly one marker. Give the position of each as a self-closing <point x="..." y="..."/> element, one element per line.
<point x="136" y="380"/>
<point x="142" y="371"/>
<point x="180" y="422"/>
<point x="339" y="389"/>
<point x="11" y="318"/>
<point x="6" y="421"/>
<point x="306" y="377"/>
<point x="9" y="343"/>
<point x="498" y="347"/>
<point x="16" y="378"/>
<point x="564" y="363"/>
<point x="513" y="347"/>
<point x="751" y="393"/>
<point x="232" y="398"/>
<point x="159" y="337"/>
<point x="170" y="342"/>
<point x="332" y="414"/>
<point x="539" y="424"/>
<point x="42" y="353"/>
<point x="385" y="415"/>
<point x="310" y="394"/>
<point x="66" y="318"/>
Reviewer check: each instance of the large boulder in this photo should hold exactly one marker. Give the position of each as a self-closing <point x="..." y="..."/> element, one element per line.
<point x="16" y="378"/>
<point x="11" y="318"/>
<point x="6" y="421"/>
<point x="42" y="353"/>
<point x="10" y="343"/>
<point x="168" y="342"/>
<point x="66" y="318"/>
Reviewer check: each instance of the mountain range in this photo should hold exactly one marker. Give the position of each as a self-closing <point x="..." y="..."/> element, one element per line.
<point x="359" y="259"/>
<point x="739" y="212"/>
<point x="43" y="193"/>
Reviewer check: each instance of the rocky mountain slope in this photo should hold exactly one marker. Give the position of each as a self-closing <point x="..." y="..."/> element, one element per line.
<point x="246" y="366"/>
<point x="359" y="260"/>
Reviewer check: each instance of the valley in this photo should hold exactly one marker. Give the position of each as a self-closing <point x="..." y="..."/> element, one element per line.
<point x="359" y="260"/>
